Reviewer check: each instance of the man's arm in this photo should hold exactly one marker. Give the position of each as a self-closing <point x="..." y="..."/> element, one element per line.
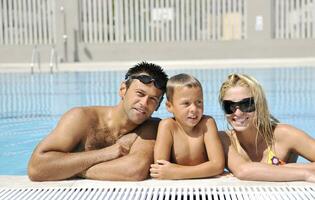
<point x="53" y="158"/>
<point x="256" y="171"/>
<point x="133" y="166"/>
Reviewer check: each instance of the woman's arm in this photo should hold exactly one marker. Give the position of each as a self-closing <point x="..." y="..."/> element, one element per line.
<point x="296" y="140"/>
<point x="256" y="171"/>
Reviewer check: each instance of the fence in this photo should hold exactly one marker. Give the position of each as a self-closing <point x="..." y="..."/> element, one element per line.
<point x="294" y="19"/>
<point x="142" y="29"/>
<point x="27" y="22"/>
<point x="162" y="20"/>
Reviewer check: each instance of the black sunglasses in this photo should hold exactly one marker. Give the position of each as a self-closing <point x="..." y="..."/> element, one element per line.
<point x="146" y="79"/>
<point x="245" y="105"/>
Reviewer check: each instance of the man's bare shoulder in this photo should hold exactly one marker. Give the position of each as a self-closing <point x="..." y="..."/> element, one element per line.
<point x="148" y="129"/>
<point x="82" y="117"/>
<point x="88" y="112"/>
<point x="80" y="113"/>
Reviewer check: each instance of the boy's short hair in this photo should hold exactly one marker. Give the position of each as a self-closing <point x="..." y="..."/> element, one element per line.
<point x="180" y="80"/>
<point x="153" y="70"/>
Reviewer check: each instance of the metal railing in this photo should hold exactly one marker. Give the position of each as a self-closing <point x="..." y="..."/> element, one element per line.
<point x="27" y="22"/>
<point x="35" y="60"/>
<point x="294" y="19"/>
<point x="162" y="20"/>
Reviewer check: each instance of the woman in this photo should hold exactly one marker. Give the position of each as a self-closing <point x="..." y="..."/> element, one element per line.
<point x="257" y="147"/>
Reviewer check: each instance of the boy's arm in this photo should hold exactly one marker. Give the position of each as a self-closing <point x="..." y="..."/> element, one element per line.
<point x="257" y="171"/>
<point x="164" y="141"/>
<point x="214" y="166"/>
<point x="133" y="166"/>
<point x="53" y="158"/>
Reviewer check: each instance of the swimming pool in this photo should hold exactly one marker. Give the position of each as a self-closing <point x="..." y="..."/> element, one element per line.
<point x="31" y="104"/>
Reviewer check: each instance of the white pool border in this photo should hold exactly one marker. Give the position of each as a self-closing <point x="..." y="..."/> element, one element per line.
<point x="167" y="64"/>
<point x="24" y="182"/>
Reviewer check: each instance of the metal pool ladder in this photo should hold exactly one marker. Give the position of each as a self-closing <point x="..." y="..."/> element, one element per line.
<point x="163" y="193"/>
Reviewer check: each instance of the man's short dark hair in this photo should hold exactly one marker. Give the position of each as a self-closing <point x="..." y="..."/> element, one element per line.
<point x="153" y="70"/>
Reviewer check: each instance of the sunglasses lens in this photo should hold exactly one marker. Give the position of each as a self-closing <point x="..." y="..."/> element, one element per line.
<point x="227" y="107"/>
<point x="245" y="105"/>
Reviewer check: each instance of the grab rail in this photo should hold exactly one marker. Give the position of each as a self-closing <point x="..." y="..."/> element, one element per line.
<point x="35" y="59"/>
<point x="53" y="62"/>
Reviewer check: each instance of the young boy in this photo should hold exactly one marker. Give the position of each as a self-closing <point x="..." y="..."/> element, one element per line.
<point x="187" y="145"/>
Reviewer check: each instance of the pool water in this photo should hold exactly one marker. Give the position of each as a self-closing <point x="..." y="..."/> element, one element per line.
<point x="31" y="104"/>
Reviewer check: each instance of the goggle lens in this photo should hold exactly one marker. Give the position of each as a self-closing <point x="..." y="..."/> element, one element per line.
<point x="145" y="79"/>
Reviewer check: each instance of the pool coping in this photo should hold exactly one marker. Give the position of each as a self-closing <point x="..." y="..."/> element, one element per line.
<point x="13" y="182"/>
<point x="167" y="64"/>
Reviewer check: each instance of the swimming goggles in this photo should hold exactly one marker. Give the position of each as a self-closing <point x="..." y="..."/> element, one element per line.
<point x="245" y="105"/>
<point x="146" y="79"/>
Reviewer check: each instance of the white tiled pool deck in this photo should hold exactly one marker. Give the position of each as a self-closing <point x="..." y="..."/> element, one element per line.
<point x="20" y="187"/>
<point x="24" y="182"/>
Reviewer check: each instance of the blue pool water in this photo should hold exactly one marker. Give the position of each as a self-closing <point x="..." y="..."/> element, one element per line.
<point x="31" y="105"/>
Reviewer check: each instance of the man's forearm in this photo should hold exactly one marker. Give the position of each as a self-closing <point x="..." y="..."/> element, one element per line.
<point x="127" y="168"/>
<point x="54" y="165"/>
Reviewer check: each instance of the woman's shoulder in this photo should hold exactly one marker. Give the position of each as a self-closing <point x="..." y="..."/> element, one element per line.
<point x="284" y="129"/>
<point x="286" y="132"/>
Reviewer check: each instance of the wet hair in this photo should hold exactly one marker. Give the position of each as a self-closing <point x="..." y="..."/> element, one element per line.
<point x="180" y="80"/>
<point x="153" y="70"/>
<point x="264" y="122"/>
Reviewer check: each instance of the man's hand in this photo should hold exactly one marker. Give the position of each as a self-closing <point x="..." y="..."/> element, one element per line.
<point x="113" y="152"/>
<point x="116" y="150"/>
<point x="163" y="170"/>
<point x="126" y="141"/>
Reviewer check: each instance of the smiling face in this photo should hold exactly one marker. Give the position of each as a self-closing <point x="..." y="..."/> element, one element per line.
<point x="239" y="120"/>
<point x="186" y="105"/>
<point x="140" y="100"/>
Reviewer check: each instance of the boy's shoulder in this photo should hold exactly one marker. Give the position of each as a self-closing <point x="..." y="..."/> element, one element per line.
<point x="168" y="121"/>
<point x="207" y="118"/>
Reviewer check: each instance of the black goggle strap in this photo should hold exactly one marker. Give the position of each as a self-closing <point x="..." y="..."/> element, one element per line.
<point x="245" y="105"/>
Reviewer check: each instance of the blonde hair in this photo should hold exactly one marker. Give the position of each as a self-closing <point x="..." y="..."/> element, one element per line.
<point x="180" y="80"/>
<point x="264" y="122"/>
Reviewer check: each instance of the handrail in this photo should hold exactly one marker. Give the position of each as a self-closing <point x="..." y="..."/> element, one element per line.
<point x="53" y="62"/>
<point x="35" y="59"/>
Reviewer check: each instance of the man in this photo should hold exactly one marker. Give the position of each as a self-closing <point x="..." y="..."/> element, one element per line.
<point x="105" y="142"/>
